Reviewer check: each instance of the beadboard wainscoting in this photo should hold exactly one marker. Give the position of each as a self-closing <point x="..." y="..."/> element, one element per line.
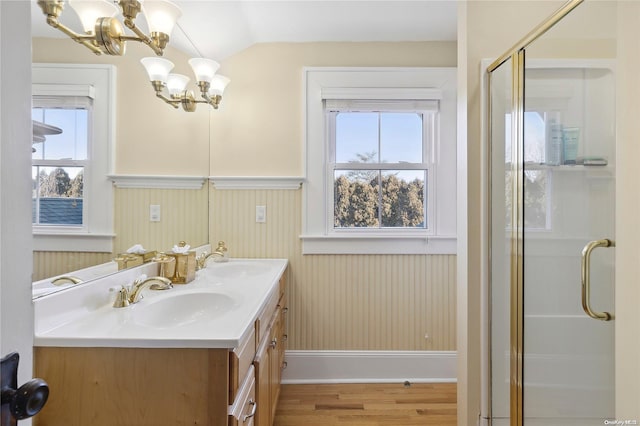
<point x="51" y="263"/>
<point x="341" y="302"/>
<point x="183" y="218"/>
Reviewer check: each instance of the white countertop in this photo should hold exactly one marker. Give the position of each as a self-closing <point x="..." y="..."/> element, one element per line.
<point x="225" y="298"/>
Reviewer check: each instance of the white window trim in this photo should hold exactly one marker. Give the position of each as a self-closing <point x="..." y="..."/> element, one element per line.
<point x="378" y="83"/>
<point x="73" y="79"/>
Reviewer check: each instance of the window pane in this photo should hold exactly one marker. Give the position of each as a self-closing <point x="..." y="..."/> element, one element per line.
<point x="357" y="137"/>
<point x="356" y="198"/>
<point x="57" y="195"/>
<point x="536" y="199"/>
<point x="403" y="195"/>
<point x="71" y="143"/>
<point x="401" y="137"/>
<point x="376" y="199"/>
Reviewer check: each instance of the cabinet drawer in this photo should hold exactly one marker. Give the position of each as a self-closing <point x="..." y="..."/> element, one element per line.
<point x="243" y="409"/>
<point x="240" y="360"/>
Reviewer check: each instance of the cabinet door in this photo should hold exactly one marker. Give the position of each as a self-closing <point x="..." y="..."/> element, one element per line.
<point x="275" y="363"/>
<point x="261" y="363"/>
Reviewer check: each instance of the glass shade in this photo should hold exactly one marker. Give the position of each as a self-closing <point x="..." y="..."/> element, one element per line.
<point x="176" y="83"/>
<point x="90" y="10"/>
<point x="157" y="68"/>
<point x="218" y="84"/>
<point x="161" y="15"/>
<point x="203" y="68"/>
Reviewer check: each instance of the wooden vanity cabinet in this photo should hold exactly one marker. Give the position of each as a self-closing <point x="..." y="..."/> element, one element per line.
<point x="108" y="386"/>
<point x="269" y="363"/>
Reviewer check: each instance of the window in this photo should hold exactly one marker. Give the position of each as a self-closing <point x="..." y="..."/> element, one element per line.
<point x="60" y="160"/>
<point x="72" y="195"/>
<point x="380" y="161"/>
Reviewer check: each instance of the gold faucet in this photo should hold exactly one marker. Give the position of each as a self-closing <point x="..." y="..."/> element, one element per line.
<point x="66" y="279"/>
<point x="220" y="251"/>
<point x="133" y="294"/>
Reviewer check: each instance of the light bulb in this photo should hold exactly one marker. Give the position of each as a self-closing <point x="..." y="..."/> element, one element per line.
<point x="177" y="83"/>
<point x="157" y="68"/>
<point x="90" y="10"/>
<point x="203" y="68"/>
<point x="161" y="15"/>
<point x="218" y="84"/>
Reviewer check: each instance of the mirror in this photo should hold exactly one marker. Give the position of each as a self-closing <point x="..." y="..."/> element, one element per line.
<point x="159" y="167"/>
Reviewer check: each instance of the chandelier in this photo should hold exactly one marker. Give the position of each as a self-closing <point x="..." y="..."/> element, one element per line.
<point x="104" y="34"/>
<point x="211" y="85"/>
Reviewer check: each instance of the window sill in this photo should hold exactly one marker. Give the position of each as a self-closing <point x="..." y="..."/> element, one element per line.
<point x="79" y="242"/>
<point x="378" y="244"/>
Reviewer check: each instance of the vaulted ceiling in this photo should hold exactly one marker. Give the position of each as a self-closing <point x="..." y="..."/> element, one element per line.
<point x="219" y="28"/>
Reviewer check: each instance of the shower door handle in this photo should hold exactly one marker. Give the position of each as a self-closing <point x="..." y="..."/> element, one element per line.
<point x="586" y="279"/>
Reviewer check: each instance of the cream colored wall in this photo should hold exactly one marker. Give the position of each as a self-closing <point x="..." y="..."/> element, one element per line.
<point x="627" y="207"/>
<point x="492" y="28"/>
<point x="183" y="218"/>
<point x="152" y="138"/>
<point x="51" y="263"/>
<point x="342" y="302"/>
<point x="258" y="129"/>
<point x="336" y="302"/>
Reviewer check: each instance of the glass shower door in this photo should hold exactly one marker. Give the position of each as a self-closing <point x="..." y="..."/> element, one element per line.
<point x="552" y="223"/>
<point x="569" y="199"/>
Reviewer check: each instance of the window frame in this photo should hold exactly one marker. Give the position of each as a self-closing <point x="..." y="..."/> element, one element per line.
<point x="379" y="84"/>
<point x="97" y="233"/>
<point x="429" y="129"/>
<point x="57" y="101"/>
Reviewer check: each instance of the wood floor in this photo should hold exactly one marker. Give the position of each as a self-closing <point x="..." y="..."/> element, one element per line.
<point x="367" y="405"/>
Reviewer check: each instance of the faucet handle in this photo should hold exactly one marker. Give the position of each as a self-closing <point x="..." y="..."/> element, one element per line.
<point x="122" y="298"/>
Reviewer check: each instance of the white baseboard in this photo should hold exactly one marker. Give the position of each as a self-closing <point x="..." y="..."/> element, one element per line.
<point x="369" y="367"/>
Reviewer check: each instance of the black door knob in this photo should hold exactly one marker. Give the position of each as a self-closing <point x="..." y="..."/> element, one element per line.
<point x="23" y="402"/>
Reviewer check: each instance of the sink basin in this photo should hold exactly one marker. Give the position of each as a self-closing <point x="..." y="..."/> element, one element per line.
<point x="237" y="269"/>
<point x="181" y="309"/>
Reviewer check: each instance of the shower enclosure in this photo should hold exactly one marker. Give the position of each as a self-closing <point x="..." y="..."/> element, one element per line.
<point x="551" y="217"/>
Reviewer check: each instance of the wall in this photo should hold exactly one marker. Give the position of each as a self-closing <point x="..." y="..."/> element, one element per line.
<point x="415" y="294"/>
<point x="627" y="207"/>
<point x="258" y="131"/>
<point x="342" y="302"/>
<point x="336" y="302"/>
<point x="152" y="138"/>
<point x="492" y="28"/>
<point x="16" y="310"/>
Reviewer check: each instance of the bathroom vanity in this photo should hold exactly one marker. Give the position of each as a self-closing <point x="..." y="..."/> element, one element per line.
<point x="207" y="353"/>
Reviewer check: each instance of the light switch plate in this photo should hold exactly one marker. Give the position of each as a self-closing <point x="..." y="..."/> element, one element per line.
<point x="154" y="213"/>
<point x="261" y="214"/>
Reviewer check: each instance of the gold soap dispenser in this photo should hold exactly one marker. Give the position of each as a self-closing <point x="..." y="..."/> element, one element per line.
<point x="185" y="263"/>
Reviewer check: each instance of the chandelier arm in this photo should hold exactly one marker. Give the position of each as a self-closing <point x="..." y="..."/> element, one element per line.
<point x="214" y="102"/>
<point x="142" y="37"/>
<point x="173" y="102"/>
<point x="84" y="39"/>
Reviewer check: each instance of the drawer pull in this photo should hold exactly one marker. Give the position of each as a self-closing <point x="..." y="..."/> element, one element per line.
<point x="284" y="365"/>
<point x="285" y="310"/>
<point x="253" y="411"/>
<point x="274" y="343"/>
<point x="285" y="337"/>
